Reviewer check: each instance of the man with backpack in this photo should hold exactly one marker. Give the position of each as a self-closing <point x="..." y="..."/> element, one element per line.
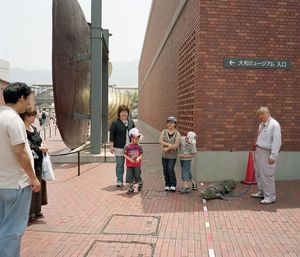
<point x="43" y="118"/>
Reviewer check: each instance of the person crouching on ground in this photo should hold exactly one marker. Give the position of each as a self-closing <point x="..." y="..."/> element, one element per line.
<point x="187" y="150"/>
<point x="169" y="140"/>
<point x="133" y="154"/>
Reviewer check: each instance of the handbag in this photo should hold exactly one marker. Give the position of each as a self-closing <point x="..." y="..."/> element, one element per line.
<point x="47" y="169"/>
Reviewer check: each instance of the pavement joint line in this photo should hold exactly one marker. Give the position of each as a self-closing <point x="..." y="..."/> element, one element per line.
<point x="205" y="208"/>
<point x="207" y="224"/>
<point x="61" y="232"/>
<point x="211" y="252"/>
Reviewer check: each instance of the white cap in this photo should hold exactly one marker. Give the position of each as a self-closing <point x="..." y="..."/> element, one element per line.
<point x="134" y="132"/>
<point x="191" y="136"/>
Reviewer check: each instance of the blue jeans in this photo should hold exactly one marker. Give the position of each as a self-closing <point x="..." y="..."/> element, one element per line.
<point x="120" y="168"/>
<point x="186" y="170"/>
<point x="169" y="172"/>
<point x="14" y="210"/>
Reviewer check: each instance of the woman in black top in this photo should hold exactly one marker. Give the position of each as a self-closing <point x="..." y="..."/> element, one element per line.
<point x="118" y="135"/>
<point x="38" y="149"/>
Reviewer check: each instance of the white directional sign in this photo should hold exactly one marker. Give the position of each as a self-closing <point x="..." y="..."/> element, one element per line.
<point x="256" y="63"/>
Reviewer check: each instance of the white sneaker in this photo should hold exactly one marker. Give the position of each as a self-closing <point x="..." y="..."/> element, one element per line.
<point x="119" y="184"/>
<point x="167" y="189"/>
<point x="173" y="189"/>
<point x="268" y="201"/>
<point x="259" y="194"/>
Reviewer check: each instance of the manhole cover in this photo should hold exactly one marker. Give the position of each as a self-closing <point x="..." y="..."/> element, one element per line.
<point x="131" y="225"/>
<point x="101" y="248"/>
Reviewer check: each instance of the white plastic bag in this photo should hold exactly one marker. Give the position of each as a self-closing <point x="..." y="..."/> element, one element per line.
<point x="47" y="169"/>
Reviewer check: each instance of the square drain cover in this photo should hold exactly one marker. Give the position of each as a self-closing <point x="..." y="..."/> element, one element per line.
<point x="131" y="225"/>
<point x="101" y="248"/>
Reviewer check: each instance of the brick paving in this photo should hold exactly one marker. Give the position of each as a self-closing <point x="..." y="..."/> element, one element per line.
<point x="89" y="216"/>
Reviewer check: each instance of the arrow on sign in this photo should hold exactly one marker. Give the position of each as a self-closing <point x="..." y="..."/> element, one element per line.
<point x="231" y="62"/>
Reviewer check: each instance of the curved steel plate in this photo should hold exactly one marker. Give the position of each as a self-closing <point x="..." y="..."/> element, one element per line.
<point x="115" y="99"/>
<point x="71" y="77"/>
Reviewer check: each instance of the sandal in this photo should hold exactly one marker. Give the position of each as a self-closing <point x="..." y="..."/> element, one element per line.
<point x="39" y="215"/>
<point x="140" y="186"/>
<point x="31" y="218"/>
<point x="130" y="190"/>
<point x="194" y="185"/>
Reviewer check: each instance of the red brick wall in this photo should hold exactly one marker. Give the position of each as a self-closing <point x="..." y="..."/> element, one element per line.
<point x="163" y="10"/>
<point x="225" y="99"/>
<point x="3" y="84"/>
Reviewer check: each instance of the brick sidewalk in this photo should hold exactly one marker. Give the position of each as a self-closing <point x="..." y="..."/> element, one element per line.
<point x="89" y="216"/>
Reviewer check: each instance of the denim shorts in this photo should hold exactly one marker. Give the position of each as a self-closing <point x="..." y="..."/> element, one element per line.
<point x="186" y="170"/>
<point x="133" y="174"/>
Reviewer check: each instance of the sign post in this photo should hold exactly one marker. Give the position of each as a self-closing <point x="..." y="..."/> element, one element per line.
<point x="96" y="76"/>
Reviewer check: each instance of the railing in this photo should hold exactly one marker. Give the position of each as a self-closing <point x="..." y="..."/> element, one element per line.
<point x="43" y="131"/>
<point x="87" y="147"/>
<point x="79" y="150"/>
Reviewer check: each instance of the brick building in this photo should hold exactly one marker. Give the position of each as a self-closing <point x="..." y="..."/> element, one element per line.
<point x="182" y="72"/>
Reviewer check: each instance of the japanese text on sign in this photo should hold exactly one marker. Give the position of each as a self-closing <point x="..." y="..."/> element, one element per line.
<point x="256" y="63"/>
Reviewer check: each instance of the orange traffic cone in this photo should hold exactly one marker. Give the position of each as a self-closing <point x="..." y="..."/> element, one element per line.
<point x="250" y="174"/>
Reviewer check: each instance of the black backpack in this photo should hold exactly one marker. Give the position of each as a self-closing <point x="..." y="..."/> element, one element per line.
<point x="44" y="115"/>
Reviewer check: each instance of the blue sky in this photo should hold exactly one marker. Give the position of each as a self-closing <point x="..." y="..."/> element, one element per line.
<point x="25" y="29"/>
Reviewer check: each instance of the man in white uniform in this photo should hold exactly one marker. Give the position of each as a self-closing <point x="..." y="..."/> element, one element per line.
<point x="266" y="154"/>
<point x="17" y="176"/>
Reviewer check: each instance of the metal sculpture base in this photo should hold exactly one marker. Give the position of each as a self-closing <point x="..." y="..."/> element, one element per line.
<point x="66" y="156"/>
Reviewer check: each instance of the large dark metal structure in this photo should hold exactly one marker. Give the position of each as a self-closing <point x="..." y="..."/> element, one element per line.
<point x="80" y="74"/>
<point x="71" y="75"/>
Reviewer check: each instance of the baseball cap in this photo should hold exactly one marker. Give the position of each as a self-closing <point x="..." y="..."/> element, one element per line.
<point x="134" y="132"/>
<point x="172" y="118"/>
<point x="191" y="136"/>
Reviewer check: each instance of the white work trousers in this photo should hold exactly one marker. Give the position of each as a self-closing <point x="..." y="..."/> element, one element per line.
<point x="265" y="173"/>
